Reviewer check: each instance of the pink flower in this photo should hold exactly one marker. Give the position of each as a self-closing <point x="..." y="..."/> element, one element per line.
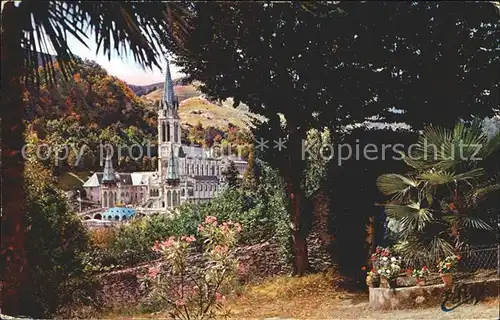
<point x="200" y="228"/>
<point x="211" y="220"/>
<point x="224" y="227"/>
<point x="220" y="249"/>
<point x="219" y="297"/>
<point x="156" y="246"/>
<point x="188" y="239"/>
<point x="180" y="302"/>
<point x="153" y="272"/>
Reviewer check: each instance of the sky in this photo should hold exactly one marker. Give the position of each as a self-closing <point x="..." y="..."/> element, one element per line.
<point x="124" y="68"/>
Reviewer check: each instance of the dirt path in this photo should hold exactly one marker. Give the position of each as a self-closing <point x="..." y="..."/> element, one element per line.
<point x="486" y="310"/>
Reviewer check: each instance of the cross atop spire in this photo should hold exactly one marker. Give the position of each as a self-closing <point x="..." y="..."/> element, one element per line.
<point x="169" y="98"/>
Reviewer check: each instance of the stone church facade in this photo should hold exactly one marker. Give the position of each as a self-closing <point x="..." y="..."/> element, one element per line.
<point x="185" y="173"/>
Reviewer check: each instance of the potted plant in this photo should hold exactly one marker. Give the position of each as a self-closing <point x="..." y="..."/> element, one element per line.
<point x="372" y="278"/>
<point x="420" y="275"/>
<point x="446" y="268"/>
<point x="390" y="270"/>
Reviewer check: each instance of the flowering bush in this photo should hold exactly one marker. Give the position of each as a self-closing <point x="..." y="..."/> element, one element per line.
<point x="420" y="273"/>
<point x="381" y="254"/>
<point x="449" y="264"/>
<point x="195" y="288"/>
<point x="390" y="267"/>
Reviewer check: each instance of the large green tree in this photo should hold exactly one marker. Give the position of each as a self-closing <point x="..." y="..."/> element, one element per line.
<point x="305" y="65"/>
<point x="28" y="30"/>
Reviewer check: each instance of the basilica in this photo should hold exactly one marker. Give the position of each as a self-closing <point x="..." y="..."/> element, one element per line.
<point x="185" y="173"/>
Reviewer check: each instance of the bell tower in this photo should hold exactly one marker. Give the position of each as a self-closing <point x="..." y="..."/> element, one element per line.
<point x="169" y="130"/>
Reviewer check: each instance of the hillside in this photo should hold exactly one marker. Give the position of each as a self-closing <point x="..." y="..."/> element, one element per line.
<point x="198" y="109"/>
<point x="94" y="107"/>
<point x="144" y="90"/>
<point x="194" y="108"/>
<point x="182" y="90"/>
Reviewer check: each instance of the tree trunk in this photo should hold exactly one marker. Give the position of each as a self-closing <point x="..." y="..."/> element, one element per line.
<point x="13" y="254"/>
<point x="301" y="261"/>
<point x="296" y="196"/>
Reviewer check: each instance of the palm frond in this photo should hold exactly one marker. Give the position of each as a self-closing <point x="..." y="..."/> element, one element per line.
<point x="395" y="184"/>
<point x="143" y="28"/>
<point x="435" y="177"/>
<point x="416" y="251"/>
<point x="412" y="216"/>
<point x="463" y="220"/>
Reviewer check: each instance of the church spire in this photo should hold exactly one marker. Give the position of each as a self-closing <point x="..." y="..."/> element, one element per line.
<point x="109" y="172"/>
<point x="169" y="99"/>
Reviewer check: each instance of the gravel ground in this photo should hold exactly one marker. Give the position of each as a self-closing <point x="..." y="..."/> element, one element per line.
<point x="488" y="310"/>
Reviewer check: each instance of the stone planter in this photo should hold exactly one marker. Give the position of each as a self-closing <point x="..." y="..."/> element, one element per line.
<point x="421" y="282"/>
<point x="447" y="279"/>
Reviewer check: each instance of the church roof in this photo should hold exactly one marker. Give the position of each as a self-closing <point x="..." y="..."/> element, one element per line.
<point x="135" y="178"/>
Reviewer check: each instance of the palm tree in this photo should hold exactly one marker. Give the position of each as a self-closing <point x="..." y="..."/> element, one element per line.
<point x="28" y="30"/>
<point x="448" y="196"/>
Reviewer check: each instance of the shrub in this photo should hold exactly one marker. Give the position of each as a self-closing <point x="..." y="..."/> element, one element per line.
<point x="55" y="245"/>
<point x="194" y="288"/>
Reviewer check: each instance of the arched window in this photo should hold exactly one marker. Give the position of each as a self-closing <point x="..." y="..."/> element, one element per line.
<point x="176" y="132"/>
<point x="201" y="169"/>
<point x="117" y="218"/>
<point x="192" y="169"/>
<point x="197" y="170"/>
<point x="124" y="217"/>
<point x="174" y="198"/>
<point x="169" y="199"/>
<point x="168" y="131"/>
<point x="163" y="204"/>
<point x="187" y="168"/>
<point x="213" y="170"/>
<point x="206" y="169"/>
<point x="111" y="202"/>
<point x="163" y="132"/>
<point x="183" y="192"/>
<point x="105" y="199"/>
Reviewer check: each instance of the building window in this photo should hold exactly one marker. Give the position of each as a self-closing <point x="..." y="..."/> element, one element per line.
<point x="163" y="132"/>
<point x="176" y="132"/>
<point x="168" y="131"/>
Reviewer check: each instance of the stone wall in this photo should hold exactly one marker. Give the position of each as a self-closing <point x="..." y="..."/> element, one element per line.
<point x="411" y="297"/>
